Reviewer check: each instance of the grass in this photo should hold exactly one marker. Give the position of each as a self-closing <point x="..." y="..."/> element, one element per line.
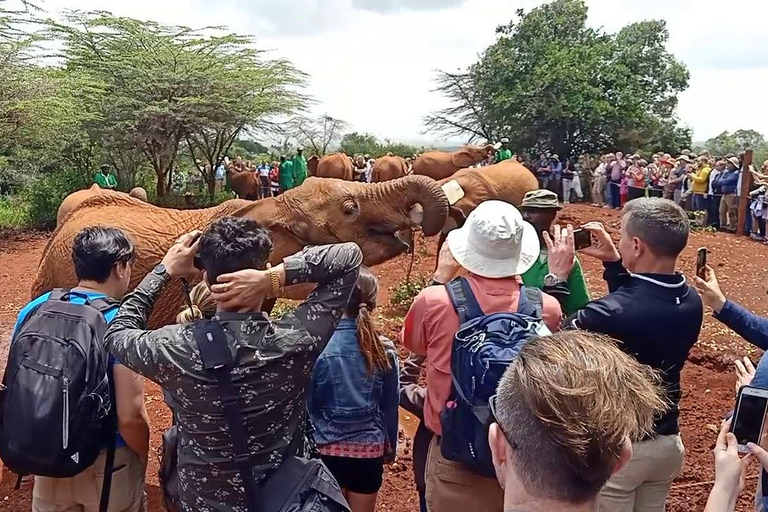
<point x="14" y="214"/>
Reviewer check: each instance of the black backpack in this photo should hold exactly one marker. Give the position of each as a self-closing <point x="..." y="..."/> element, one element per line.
<point x="297" y="485"/>
<point x="56" y="412"/>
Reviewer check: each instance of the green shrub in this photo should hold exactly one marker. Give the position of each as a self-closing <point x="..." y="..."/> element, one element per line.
<point x="14" y="213"/>
<point x="403" y="294"/>
<point x="44" y="195"/>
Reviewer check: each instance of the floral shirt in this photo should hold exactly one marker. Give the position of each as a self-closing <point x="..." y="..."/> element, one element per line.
<point x="273" y="365"/>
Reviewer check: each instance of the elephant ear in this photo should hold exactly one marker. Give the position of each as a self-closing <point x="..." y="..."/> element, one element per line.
<point x="463" y="158"/>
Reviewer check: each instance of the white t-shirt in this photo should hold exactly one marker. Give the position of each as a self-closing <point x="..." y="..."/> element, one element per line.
<point x="264" y="171"/>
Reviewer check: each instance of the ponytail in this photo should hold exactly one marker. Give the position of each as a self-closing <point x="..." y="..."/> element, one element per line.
<point x="361" y="303"/>
<point x="203" y="305"/>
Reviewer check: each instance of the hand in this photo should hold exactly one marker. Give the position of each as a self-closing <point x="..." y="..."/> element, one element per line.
<point x="603" y="247"/>
<point x="243" y="290"/>
<point x="179" y="261"/>
<point x="745" y="372"/>
<point x="730" y="469"/>
<point x="561" y="251"/>
<point x="447" y="266"/>
<point x="709" y="289"/>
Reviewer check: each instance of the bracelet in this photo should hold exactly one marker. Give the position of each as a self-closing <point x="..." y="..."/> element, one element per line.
<point x="274" y="277"/>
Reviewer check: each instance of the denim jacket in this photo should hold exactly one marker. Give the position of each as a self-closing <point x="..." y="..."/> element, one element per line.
<point x="346" y="405"/>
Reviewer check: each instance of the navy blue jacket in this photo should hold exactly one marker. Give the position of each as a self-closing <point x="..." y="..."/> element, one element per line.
<point x="656" y="318"/>
<point x="346" y="405"/>
<point x="752" y="328"/>
<point x="727" y="181"/>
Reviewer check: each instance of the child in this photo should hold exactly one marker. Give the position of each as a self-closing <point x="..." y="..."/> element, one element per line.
<point x="624" y="189"/>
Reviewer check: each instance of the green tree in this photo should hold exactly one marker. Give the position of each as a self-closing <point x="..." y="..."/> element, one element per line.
<point x="551" y="83"/>
<point x="355" y="143"/>
<point x="317" y="134"/>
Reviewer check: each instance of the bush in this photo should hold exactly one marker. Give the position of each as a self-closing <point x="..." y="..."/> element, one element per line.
<point x="404" y="293"/>
<point x="44" y="195"/>
<point x="14" y="214"/>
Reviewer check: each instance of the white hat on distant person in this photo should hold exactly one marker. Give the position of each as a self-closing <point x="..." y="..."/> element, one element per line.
<point x="495" y="241"/>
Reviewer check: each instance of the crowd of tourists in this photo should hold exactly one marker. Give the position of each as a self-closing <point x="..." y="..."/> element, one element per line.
<point x="575" y="406"/>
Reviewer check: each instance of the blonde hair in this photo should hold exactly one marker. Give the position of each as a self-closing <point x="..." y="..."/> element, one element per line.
<point x="568" y="405"/>
<point x="203" y="305"/>
<point x="361" y="304"/>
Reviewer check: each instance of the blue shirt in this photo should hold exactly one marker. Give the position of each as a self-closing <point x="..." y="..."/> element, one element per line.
<point x="75" y="299"/>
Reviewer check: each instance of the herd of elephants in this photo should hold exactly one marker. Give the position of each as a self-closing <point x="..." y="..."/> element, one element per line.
<point x="380" y="217"/>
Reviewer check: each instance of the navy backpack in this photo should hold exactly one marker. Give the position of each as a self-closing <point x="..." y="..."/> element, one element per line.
<point x="483" y="348"/>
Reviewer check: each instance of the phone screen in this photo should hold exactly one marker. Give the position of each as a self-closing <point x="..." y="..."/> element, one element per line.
<point x="701" y="262"/>
<point x="581" y="239"/>
<point x="748" y="420"/>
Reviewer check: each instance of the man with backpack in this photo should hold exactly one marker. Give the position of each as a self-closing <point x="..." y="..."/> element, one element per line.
<point x="70" y="410"/>
<point x="236" y="383"/>
<point x="495" y="246"/>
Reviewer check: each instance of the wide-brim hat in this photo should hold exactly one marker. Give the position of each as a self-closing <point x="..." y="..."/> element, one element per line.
<point x="504" y="140"/>
<point x="735" y="161"/>
<point x="554" y="157"/>
<point x="495" y="241"/>
<point x="684" y="158"/>
<point x="541" y="199"/>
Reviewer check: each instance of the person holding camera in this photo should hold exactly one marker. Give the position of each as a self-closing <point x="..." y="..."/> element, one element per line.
<point x="657" y="317"/>
<point x="272" y="361"/>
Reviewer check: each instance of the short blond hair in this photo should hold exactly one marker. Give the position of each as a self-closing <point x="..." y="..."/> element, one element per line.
<point x="568" y="405"/>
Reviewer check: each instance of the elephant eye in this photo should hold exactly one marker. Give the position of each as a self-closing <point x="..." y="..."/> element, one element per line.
<point x="349" y="207"/>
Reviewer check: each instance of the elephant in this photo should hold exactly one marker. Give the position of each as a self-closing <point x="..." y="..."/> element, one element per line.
<point x="312" y="165"/>
<point x="506" y="181"/>
<point x="244" y="183"/>
<point x="439" y="164"/>
<point x="74" y="199"/>
<point x="337" y="165"/>
<point x="379" y="217"/>
<point x="388" y="168"/>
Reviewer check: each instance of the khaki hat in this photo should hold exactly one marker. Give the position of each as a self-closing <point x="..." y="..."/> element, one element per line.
<point x="735" y="161"/>
<point x="554" y="157"/>
<point x="541" y="199"/>
<point x="495" y="241"/>
<point x="684" y="158"/>
<point x="504" y="140"/>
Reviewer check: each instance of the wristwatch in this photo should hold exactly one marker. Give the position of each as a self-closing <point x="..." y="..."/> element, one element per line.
<point x="552" y="280"/>
<point x="160" y="270"/>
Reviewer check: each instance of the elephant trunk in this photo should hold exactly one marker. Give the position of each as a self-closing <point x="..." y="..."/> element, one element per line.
<point x="423" y="191"/>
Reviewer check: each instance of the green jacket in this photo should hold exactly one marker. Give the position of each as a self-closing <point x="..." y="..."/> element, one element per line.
<point x="286" y="176"/>
<point x="108" y="181"/>
<point x="503" y="154"/>
<point x="579" y="296"/>
<point x="299" y="170"/>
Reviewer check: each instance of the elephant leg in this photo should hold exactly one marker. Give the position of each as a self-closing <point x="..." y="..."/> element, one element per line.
<point x="268" y="305"/>
<point x="457" y="216"/>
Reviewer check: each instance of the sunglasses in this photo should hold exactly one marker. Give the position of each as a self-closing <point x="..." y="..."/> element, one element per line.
<point x="492" y="407"/>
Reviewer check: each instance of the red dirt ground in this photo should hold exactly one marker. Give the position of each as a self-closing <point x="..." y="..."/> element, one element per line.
<point x="708" y="379"/>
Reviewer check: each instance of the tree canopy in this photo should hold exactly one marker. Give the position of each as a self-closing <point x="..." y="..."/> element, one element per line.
<point x="355" y="143"/>
<point x="552" y="83"/>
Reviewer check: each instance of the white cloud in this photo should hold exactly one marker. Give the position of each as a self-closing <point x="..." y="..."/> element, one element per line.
<point x="372" y="62"/>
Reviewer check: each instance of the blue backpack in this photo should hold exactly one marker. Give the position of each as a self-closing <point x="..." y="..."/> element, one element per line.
<point x="483" y="348"/>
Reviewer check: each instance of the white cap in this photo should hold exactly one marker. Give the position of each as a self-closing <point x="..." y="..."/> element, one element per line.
<point x="495" y="241"/>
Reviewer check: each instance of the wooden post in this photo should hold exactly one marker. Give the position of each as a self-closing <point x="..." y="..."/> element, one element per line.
<point x="746" y="186"/>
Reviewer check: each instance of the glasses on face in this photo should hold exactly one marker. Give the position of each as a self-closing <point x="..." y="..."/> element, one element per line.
<point x="492" y="407"/>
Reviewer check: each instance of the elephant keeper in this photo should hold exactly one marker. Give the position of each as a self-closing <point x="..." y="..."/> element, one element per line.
<point x="540" y="208"/>
<point x="286" y="174"/>
<point x="272" y="359"/>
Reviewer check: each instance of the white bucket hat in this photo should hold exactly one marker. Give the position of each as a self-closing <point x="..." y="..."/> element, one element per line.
<point x="495" y="241"/>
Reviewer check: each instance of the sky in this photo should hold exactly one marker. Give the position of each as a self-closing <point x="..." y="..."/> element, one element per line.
<point x="372" y="62"/>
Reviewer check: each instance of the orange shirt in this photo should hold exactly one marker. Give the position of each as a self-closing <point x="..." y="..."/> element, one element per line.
<point x="432" y="322"/>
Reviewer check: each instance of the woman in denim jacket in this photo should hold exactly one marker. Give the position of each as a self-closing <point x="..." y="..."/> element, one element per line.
<point x="353" y="399"/>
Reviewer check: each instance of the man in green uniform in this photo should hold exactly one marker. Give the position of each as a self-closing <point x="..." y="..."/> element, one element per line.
<point x="503" y="153"/>
<point x="540" y="208"/>
<point x="286" y="174"/>
<point x="105" y="179"/>
<point x="299" y="167"/>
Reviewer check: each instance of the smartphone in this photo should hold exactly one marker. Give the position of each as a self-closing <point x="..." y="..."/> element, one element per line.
<point x="197" y="262"/>
<point x="581" y="239"/>
<point x="749" y="419"/>
<point x="701" y="262"/>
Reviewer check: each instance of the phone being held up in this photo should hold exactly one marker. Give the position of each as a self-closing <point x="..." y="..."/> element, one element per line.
<point x="582" y="239"/>
<point x="701" y="263"/>
<point x="749" y="418"/>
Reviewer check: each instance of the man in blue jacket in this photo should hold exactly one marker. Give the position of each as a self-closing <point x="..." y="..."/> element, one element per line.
<point x="729" y="205"/>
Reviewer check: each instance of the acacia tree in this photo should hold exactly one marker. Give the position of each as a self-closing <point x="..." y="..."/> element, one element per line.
<point x="465" y="116"/>
<point x="551" y="83"/>
<point x="318" y="134"/>
<point x="166" y="84"/>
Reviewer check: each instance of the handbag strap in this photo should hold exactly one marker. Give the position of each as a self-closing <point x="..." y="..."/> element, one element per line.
<point x="217" y="360"/>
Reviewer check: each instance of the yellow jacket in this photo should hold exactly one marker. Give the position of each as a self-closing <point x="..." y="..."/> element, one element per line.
<point x="700" y="180"/>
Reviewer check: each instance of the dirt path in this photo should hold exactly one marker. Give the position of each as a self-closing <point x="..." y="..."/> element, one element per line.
<point x="708" y="381"/>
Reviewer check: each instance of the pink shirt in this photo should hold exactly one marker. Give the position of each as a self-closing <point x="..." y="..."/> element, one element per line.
<point x="432" y="322"/>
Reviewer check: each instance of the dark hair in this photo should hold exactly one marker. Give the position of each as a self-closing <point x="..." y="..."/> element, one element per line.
<point x="658" y="222"/>
<point x="231" y="244"/>
<point x="96" y="250"/>
<point x="361" y="303"/>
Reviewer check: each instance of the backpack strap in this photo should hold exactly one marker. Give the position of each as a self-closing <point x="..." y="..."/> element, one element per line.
<point x="217" y="360"/>
<point x="59" y="294"/>
<point x="531" y="302"/>
<point x="463" y="300"/>
<point x="109" y="464"/>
